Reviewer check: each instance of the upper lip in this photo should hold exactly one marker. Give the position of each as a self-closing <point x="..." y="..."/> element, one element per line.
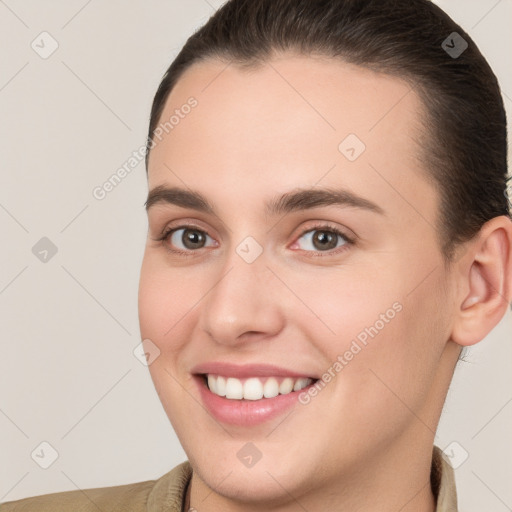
<point x="246" y="370"/>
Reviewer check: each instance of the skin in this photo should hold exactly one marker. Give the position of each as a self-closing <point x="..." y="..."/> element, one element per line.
<point x="365" y="441"/>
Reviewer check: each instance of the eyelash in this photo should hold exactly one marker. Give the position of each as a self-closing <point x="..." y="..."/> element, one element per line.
<point x="349" y="241"/>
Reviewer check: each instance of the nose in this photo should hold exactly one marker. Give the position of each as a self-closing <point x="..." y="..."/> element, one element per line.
<point x="244" y="303"/>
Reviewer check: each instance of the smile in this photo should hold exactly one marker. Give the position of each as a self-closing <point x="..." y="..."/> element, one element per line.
<point x="254" y="388"/>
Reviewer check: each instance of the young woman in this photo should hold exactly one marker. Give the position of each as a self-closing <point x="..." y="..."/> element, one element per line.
<point x="327" y="230"/>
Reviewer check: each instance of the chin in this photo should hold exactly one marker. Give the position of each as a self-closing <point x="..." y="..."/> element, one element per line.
<point x="261" y="484"/>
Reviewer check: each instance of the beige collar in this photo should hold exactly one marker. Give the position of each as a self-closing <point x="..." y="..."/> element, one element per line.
<point x="442" y="479"/>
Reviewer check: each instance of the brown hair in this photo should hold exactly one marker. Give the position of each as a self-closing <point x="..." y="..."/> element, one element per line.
<point x="465" y="152"/>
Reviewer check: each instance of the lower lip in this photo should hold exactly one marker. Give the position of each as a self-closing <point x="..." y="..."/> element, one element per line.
<point x="246" y="413"/>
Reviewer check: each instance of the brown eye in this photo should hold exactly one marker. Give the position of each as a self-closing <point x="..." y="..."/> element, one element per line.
<point x="323" y="239"/>
<point x="192" y="238"/>
<point x="185" y="239"/>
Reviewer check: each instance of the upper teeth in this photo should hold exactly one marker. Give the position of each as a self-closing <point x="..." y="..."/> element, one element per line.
<point x="254" y="388"/>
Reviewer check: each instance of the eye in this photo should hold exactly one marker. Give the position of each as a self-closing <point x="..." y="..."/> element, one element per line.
<point x="184" y="239"/>
<point x="324" y="238"/>
<point x="188" y="239"/>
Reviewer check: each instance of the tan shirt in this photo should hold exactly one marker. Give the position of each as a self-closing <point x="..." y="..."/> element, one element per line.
<point x="167" y="494"/>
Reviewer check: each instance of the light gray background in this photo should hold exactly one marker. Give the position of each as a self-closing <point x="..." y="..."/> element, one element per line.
<point x="68" y="375"/>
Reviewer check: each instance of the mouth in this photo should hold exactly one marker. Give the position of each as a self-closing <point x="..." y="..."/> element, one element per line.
<point x="249" y="402"/>
<point x="254" y="388"/>
<point x="250" y="394"/>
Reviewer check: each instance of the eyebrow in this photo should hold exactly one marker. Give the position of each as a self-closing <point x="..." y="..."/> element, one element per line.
<point x="295" y="200"/>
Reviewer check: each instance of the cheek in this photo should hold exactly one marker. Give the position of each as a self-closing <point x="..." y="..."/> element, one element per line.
<point x="169" y="303"/>
<point x="346" y="304"/>
<point x="382" y="335"/>
<point x="166" y="302"/>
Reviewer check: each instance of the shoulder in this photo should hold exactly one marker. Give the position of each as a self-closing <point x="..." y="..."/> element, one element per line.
<point x="121" y="498"/>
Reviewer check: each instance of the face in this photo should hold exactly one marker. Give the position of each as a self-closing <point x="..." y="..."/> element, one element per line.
<point x="317" y="266"/>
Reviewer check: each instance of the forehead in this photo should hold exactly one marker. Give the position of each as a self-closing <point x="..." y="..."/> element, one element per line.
<point x="291" y="121"/>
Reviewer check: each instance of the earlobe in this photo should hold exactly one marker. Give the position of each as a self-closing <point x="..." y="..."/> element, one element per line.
<point x="486" y="272"/>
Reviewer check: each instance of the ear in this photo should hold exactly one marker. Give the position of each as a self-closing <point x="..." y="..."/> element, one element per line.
<point x="485" y="287"/>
